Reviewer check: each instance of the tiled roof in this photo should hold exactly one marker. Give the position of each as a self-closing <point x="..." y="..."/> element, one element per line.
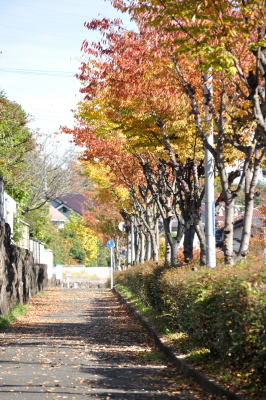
<point x="76" y="201"/>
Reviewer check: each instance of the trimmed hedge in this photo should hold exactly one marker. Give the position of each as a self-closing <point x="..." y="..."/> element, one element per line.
<point x="223" y="310"/>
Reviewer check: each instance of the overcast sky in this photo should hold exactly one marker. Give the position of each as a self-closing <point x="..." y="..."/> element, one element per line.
<point x="40" y="44"/>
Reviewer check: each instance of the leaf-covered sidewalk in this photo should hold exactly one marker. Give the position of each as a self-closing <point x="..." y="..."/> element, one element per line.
<point x="75" y="344"/>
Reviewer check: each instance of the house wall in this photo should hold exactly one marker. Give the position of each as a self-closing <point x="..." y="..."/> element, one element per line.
<point x="10" y="208"/>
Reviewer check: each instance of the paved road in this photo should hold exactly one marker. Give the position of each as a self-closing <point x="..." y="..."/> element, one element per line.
<point x="77" y="344"/>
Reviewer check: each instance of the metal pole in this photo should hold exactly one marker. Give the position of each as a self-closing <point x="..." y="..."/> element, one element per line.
<point x="132" y="241"/>
<point x="112" y="268"/>
<point x="209" y="177"/>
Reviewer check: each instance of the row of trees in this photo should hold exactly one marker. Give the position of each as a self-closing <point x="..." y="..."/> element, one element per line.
<point x="151" y="96"/>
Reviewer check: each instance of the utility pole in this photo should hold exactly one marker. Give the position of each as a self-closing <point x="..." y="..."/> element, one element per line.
<point x="111" y="245"/>
<point x="112" y="267"/>
<point x="132" y="241"/>
<point x="1" y="198"/>
<point x="209" y="176"/>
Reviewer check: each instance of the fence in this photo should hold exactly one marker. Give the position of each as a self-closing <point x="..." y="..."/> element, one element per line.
<point x="41" y="255"/>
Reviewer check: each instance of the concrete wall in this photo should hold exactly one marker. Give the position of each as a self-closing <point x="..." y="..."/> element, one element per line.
<point x="20" y="277"/>
<point x="81" y="276"/>
<point x="47" y="257"/>
<point x="97" y="272"/>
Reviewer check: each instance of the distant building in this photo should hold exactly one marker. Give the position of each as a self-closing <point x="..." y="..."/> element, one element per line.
<point x="57" y="217"/>
<point x="257" y="226"/>
<point x="62" y="206"/>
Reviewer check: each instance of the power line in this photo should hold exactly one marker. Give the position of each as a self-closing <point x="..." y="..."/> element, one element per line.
<point x="57" y="73"/>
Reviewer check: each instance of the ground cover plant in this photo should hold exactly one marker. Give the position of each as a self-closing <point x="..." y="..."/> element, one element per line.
<point x="15" y="312"/>
<point x="215" y="317"/>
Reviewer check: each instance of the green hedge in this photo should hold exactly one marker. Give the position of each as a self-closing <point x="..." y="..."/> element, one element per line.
<point x="222" y="310"/>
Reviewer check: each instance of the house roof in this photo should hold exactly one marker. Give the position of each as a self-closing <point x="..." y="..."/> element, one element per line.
<point x="76" y="201"/>
<point x="56" y="215"/>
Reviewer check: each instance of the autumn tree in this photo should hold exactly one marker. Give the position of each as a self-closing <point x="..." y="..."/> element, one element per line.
<point x="206" y="32"/>
<point x="140" y="110"/>
<point x="84" y="242"/>
<point x="120" y="180"/>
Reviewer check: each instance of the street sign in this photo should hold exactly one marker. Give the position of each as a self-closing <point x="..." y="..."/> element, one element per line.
<point x="110" y="243"/>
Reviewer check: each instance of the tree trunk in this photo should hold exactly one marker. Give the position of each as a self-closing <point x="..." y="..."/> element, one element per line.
<point x="154" y="246"/>
<point x="167" y="253"/>
<point x="142" y="248"/>
<point x="174" y="252"/>
<point x="148" y="247"/>
<point x="117" y="253"/>
<point x="128" y="247"/>
<point x="172" y="241"/>
<point x="133" y="241"/>
<point x="201" y="236"/>
<point x="250" y="186"/>
<point x="229" y="232"/>
<point x="246" y="232"/>
<point x="188" y="242"/>
<point x="157" y="237"/>
<point x="137" y="248"/>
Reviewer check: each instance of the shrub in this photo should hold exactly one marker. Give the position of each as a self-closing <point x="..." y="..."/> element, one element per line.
<point x="221" y="309"/>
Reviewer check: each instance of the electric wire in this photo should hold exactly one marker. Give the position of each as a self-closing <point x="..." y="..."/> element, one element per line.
<point x="62" y="74"/>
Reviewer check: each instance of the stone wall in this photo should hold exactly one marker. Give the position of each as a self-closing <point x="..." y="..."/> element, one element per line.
<point x="20" y="278"/>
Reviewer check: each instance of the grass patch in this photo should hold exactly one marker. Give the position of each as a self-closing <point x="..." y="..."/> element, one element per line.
<point x="41" y="293"/>
<point x="153" y="356"/>
<point x="15" y="312"/>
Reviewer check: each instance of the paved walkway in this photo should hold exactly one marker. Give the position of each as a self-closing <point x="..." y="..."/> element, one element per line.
<point x="75" y="344"/>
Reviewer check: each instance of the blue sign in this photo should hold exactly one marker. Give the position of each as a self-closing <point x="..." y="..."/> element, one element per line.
<point x="110" y="243"/>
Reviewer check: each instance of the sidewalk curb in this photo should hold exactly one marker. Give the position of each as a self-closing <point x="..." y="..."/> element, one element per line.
<point x="204" y="381"/>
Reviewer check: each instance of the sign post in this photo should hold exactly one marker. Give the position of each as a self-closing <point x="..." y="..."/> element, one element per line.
<point x="111" y="245"/>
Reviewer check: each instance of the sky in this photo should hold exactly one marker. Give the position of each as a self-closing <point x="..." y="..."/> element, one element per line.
<point x="40" y="43"/>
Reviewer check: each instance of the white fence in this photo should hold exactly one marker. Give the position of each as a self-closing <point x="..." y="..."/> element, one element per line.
<point x="41" y="255"/>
